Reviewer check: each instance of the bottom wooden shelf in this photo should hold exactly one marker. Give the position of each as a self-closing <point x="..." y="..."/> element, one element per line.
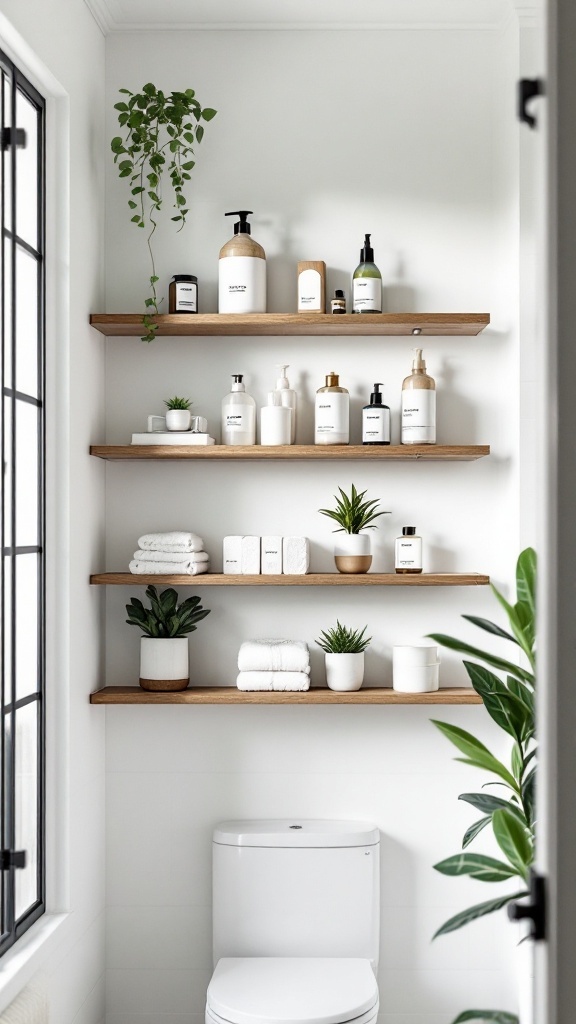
<point x="318" y="695"/>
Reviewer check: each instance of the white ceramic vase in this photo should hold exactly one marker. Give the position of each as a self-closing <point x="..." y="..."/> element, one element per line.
<point x="164" y="663"/>
<point x="352" y="552"/>
<point x="178" y="419"/>
<point x="344" y="671"/>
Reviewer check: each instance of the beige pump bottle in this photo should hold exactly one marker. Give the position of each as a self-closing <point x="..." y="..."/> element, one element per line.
<point x="418" y="405"/>
<point x="242" y="271"/>
<point x="332" y="414"/>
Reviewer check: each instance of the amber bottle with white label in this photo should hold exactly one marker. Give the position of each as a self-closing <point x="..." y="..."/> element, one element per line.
<point x="418" y="405"/>
<point x="408" y="551"/>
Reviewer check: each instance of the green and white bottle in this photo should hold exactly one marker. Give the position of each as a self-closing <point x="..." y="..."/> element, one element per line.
<point x="367" y="282"/>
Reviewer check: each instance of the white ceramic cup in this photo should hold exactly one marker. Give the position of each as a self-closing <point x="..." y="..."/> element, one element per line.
<point x="344" y="671"/>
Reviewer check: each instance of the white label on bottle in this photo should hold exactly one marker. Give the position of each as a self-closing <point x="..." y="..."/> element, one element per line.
<point x="332" y="413"/>
<point x="186" y="297"/>
<point x="408" y="553"/>
<point x="367" y="294"/>
<point x="309" y="291"/>
<point x="241" y="284"/>
<point x="418" y="416"/>
<point x="237" y="418"/>
<point x="376" y="424"/>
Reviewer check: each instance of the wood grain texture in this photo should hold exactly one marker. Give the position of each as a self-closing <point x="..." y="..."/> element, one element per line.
<point x="187" y="325"/>
<point x="292" y="452"/>
<point x="318" y="579"/>
<point x="231" y="695"/>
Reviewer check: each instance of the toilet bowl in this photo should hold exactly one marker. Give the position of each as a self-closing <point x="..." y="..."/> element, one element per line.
<point x="296" y="923"/>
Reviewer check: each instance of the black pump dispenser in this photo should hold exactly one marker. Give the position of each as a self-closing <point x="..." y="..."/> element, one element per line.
<point x="376" y="396"/>
<point x="242" y="227"/>
<point x="367" y="252"/>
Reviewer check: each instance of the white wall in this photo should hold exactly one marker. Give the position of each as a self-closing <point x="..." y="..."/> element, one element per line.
<point x="325" y="136"/>
<point x="64" y="42"/>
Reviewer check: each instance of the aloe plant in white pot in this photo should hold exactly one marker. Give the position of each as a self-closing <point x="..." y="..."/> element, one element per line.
<point x="164" y="665"/>
<point x="352" y="551"/>
<point x="344" y="655"/>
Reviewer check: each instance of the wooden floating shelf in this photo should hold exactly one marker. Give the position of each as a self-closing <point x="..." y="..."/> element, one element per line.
<point x="292" y="453"/>
<point x="314" y="579"/>
<point x="232" y="695"/>
<point x="187" y="325"/>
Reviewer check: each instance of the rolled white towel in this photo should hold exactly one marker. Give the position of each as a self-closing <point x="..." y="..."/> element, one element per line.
<point x="188" y="567"/>
<point x="170" y="556"/>
<point x="273" y="681"/>
<point x="177" y="540"/>
<point x="274" y="656"/>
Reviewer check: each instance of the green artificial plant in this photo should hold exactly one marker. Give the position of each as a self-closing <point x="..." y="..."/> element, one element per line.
<point x="342" y="640"/>
<point x="353" y="514"/>
<point x="161" y="131"/>
<point x="177" y="403"/>
<point x="165" y="618"/>
<point x="508" y="694"/>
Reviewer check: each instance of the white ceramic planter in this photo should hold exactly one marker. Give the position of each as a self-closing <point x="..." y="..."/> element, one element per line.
<point x="164" y="663"/>
<point x="352" y="552"/>
<point x="344" y="671"/>
<point x="178" y="419"/>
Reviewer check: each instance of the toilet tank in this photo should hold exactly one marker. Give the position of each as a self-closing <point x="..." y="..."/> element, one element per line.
<point x="296" y="888"/>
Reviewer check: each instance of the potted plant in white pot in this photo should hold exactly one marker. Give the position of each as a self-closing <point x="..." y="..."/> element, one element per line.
<point x="164" y="646"/>
<point x="344" y="655"/>
<point x="352" y="551"/>
<point x="178" y="415"/>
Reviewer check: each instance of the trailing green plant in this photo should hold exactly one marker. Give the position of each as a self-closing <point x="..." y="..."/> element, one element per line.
<point x="161" y="132"/>
<point x="342" y="640"/>
<point x="177" y="403"/>
<point x="165" y="618"/>
<point x="509" y="699"/>
<point x="353" y="514"/>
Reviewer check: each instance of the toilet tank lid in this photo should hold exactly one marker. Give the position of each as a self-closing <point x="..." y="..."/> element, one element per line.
<point x="297" y="833"/>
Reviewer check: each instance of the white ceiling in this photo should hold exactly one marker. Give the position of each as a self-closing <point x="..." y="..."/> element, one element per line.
<point x="142" y="15"/>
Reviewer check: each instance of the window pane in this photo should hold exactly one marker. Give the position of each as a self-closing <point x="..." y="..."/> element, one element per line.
<point x="26" y="625"/>
<point x="7" y="625"/>
<point x="6" y="154"/>
<point x="27" y="172"/>
<point x="7" y="479"/>
<point x="26" y="473"/>
<point x="7" y="311"/>
<point x="26" y="807"/>
<point x="26" y="323"/>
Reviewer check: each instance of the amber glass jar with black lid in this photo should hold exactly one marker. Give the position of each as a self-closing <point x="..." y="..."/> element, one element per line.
<point x="183" y="294"/>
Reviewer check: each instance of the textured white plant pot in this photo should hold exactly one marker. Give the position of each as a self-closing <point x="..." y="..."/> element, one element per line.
<point x="352" y="552"/>
<point x="178" y="419"/>
<point x="164" y="663"/>
<point x="344" y="671"/>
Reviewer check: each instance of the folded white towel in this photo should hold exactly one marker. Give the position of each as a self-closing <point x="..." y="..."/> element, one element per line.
<point x="177" y="540"/>
<point x="274" y="656"/>
<point x="170" y="556"/>
<point x="273" y="681"/>
<point x="187" y="567"/>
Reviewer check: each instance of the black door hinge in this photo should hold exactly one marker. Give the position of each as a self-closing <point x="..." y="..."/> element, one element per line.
<point x="528" y="90"/>
<point x="12" y="137"/>
<point x="12" y="859"/>
<point x="535" y="910"/>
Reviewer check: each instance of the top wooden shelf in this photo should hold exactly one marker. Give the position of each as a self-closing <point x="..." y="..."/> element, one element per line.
<point x="185" y="325"/>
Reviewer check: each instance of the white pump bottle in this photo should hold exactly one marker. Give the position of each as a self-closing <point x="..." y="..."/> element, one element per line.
<point x="238" y="414"/>
<point x="288" y="398"/>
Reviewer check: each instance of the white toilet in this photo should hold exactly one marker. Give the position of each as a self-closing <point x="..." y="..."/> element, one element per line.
<point x="296" y="923"/>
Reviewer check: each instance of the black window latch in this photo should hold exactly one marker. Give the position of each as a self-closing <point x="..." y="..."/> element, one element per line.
<point x="12" y="859"/>
<point x="535" y="910"/>
<point x="528" y="90"/>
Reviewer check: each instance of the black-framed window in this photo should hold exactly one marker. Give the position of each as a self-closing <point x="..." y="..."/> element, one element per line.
<point x="22" y="705"/>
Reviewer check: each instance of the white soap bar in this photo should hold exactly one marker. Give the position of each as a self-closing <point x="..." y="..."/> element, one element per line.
<point x="250" y="557"/>
<point x="295" y="556"/>
<point x="232" y="555"/>
<point x="272" y="556"/>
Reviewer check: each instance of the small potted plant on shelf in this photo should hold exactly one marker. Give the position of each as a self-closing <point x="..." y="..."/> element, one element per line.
<point x="178" y="413"/>
<point x="164" y="646"/>
<point x="344" y="655"/>
<point x="352" y="552"/>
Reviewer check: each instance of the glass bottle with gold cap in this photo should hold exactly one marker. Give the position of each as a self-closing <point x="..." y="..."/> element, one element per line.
<point x="332" y="415"/>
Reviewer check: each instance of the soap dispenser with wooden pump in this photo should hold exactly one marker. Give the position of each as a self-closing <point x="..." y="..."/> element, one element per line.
<point x="242" y="271"/>
<point x="418" y="405"/>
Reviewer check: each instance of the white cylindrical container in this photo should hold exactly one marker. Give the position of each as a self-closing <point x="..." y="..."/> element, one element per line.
<point x="288" y="397"/>
<point x="332" y="413"/>
<point x="415" y="669"/>
<point x="415" y="655"/>
<point x="275" y="421"/>
<point x="238" y="415"/>
<point x="178" y="419"/>
<point x="242" y="271"/>
<point x="164" y="663"/>
<point x="352" y="552"/>
<point x="344" y="671"/>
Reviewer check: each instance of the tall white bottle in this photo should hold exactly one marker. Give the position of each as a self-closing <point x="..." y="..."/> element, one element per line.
<point x="238" y="414"/>
<point x="275" y="421"/>
<point x="418" y="405"/>
<point x="288" y="397"/>
<point x="332" y="414"/>
<point x="242" y="271"/>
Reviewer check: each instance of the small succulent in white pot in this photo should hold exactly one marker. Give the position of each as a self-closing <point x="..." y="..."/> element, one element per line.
<point x="344" y="655"/>
<point x="164" y="646"/>
<point x="352" y="551"/>
<point x="178" y="414"/>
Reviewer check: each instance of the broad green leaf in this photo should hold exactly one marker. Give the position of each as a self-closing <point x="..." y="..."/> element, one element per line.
<point x="498" y="663"/>
<point x="208" y="113"/>
<point x="526" y="577"/>
<point x="474" y="830"/>
<point x="517" y="762"/>
<point x="518" y="628"/>
<point x="529" y="795"/>
<point x="489" y="627"/>
<point x="513" y="840"/>
<point x="506" y="710"/>
<point x="491" y="1016"/>
<point x="477" y="865"/>
<point x="476" y="753"/>
<point x="479" y="910"/>
<point x="484" y="802"/>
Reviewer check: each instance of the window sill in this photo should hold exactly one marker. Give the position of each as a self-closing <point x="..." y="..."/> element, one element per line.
<point x="26" y="957"/>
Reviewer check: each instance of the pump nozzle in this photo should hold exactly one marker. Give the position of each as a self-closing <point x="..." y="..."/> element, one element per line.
<point x="419" y="363"/>
<point x="242" y="226"/>
<point x="367" y="252"/>
<point x="282" y="382"/>
<point x="376" y="397"/>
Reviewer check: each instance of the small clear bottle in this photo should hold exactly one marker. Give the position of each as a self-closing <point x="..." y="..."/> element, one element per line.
<point x="408" y="551"/>
<point x="238" y="414"/>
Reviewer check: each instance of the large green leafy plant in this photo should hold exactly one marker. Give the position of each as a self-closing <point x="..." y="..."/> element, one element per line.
<point x="353" y="514"/>
<point x="165" y="618"/>
<point x="161" y="131"/>
<point x="508" y="696"/>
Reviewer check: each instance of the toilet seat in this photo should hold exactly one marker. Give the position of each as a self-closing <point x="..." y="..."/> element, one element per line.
<point x="292" y="990"/>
